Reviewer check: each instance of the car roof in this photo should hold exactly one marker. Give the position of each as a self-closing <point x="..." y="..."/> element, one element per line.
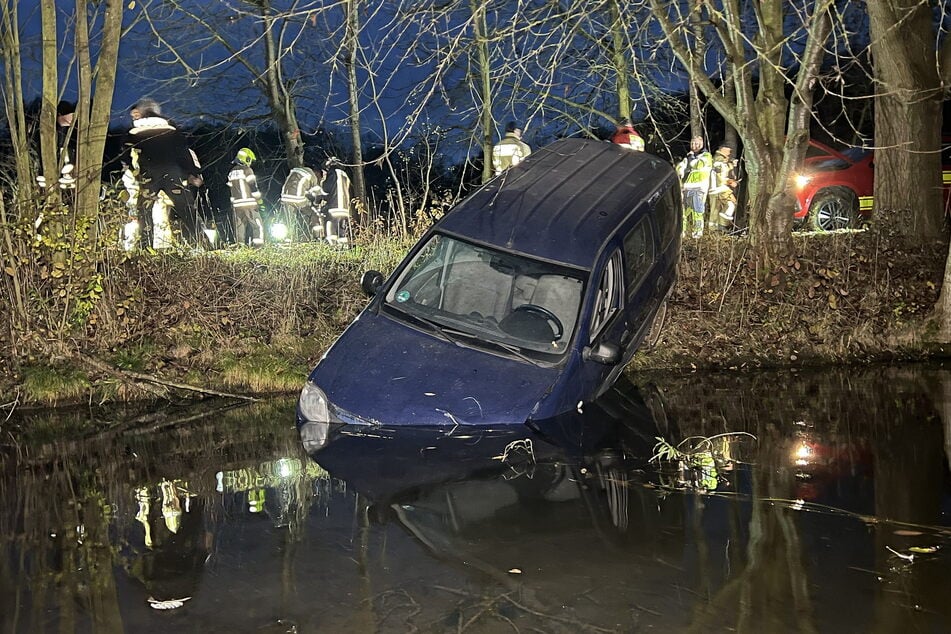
<point x="562" y="203"/>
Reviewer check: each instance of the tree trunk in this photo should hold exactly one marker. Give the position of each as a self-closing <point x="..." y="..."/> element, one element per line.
<point x="49" y="151"/>
<point x="13" y="99"/>
<point x="351" y="47"/>
<point x="699" y="50"/>
<point x="280" y="100"/>
<point x="483" y="68"/>
<point x="908" y="164"/>
<point x="96" y="89"/>
<point x="907" y="115"/>
<point x="622" y="70"/>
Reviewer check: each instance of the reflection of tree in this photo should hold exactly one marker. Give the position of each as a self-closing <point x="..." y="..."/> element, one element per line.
<point x="909" y="473"/>
<point x="69" y="516"/>
<point x="773" y="578"/>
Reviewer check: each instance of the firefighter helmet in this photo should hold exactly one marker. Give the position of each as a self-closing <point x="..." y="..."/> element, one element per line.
<point x="246" y="156"/>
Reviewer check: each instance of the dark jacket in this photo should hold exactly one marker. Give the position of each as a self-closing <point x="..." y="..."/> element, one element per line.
<point x="159" y="151"/>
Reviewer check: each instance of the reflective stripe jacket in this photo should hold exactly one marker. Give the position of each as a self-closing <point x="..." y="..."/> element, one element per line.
<point x="337" y="187"/>
<point x="300" y="184"/>
<point x="510" y="151"/>
<point x="244" y="187"/>
<point x="629" y="138"/>
<point x="720" y="175"/>
<point x="694" y="170"/>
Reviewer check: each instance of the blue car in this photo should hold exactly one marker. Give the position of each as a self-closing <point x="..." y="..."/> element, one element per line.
<point x="523" y="302"/>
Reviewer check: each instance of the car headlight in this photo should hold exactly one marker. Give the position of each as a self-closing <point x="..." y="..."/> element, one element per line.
<point x="312" y="404"/>
<point x="802" y="180"/>
<point x="314" y="436"/>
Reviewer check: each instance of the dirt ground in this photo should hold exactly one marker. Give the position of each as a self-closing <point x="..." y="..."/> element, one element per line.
<point x="846" y="297"/>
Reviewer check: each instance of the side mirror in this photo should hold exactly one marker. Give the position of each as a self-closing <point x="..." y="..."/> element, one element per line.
<point x="371" y="282"/>
<point x="606" y="353"/>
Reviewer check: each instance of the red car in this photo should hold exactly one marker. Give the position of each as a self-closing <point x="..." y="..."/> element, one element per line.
<point x="834" y="189"/>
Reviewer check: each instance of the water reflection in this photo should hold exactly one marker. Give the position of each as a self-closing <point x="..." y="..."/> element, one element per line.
<point x="821" y="506"/>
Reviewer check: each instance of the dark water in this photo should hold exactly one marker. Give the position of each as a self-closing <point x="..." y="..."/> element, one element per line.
<point x="809" y="502"/>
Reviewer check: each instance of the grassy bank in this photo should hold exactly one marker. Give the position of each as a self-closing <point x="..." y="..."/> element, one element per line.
<point x="255" y="321"/>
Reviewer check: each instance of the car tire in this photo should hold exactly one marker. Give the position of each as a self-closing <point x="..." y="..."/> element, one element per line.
<point x="834" y="208"/>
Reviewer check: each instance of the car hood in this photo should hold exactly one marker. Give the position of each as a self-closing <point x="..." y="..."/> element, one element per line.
<point x="382" y="371"/>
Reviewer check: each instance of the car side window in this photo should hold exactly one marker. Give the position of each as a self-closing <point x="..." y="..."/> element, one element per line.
<point x="668" y="213"/>
<point x="608" y="298"/>
<point x="638" y="253"/>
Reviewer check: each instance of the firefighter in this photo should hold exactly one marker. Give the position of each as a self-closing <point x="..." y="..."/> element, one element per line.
<point x="160" y="163"/>
<point x="337" y="197"/>
<point x="246" y="201"/>
<point x="694" y="171"/>
<point x="626" y="136"/>
<point x="511" y="150"/>
<point x="301" y="197"/>
<point x="722" y="184"/>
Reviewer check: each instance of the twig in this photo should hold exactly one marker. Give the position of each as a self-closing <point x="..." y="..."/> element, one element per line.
<point x="139" y="377"/>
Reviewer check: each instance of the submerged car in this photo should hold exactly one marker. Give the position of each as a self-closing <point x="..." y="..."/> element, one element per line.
<point x="523" y="302"/>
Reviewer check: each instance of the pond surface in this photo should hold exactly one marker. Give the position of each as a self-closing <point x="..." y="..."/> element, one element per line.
<point x="813" y="502"/>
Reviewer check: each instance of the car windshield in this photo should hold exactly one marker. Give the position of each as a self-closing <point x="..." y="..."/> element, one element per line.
<point x="481" y="296"/>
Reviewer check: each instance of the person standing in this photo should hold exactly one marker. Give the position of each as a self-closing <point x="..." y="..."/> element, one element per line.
<point x="162" y="164"/>
<point x="65" y="147"/>
<point x="626" y="136"/>
<point x="300" y="196"/>
<point x="722" y="184"/>
<point x="337" y="195"/>
<point x="246" y="199"/>
<point x="694" y="171"/>
<point x="511" y="150"/>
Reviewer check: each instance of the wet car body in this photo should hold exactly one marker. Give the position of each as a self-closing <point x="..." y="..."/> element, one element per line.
<point x="524" y="302"/>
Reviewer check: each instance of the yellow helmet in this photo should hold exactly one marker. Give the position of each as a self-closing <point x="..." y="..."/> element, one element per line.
<point x="246" y="156"/>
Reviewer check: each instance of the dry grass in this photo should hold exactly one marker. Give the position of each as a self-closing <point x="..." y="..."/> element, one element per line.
<point x="845" y="297"/>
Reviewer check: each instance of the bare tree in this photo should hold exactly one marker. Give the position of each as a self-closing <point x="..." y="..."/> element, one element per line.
<point x="207" y="41"/>
<point x="351" y="47"/>
<point x="10" y="47"/>
<point x="774" y="136"/>
<point x="908" y="97"/>
<point x="97" y="80"/>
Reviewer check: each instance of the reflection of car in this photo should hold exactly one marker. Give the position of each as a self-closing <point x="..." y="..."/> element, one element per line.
<point x="523" y="302"/>
<point x="834" y="189"/>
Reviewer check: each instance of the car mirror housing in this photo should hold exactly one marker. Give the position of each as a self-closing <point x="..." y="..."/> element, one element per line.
<point x="371" y="282"/>
<point x="606" y="353"/>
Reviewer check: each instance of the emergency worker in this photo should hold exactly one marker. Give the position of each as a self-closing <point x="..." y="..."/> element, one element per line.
<point x="302" y="196"/>
<point x="694" y="171"/>
<point x="160" y="163"/>
<point x="337" y="197"/>
<point x="722" y="184"/>
<point x="65" y="146"/>
<point x="626" y="136"/>
<point x="246" y="199"/>
<point x="511" y="150"/>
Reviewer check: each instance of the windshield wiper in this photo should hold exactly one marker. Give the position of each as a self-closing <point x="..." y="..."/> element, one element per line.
<point x="516" y="351"/>
<point x="463" y="338"/>
<point x="429" y="324"/>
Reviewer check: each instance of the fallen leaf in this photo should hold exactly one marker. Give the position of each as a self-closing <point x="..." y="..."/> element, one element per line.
<point x="515" y="571"/>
